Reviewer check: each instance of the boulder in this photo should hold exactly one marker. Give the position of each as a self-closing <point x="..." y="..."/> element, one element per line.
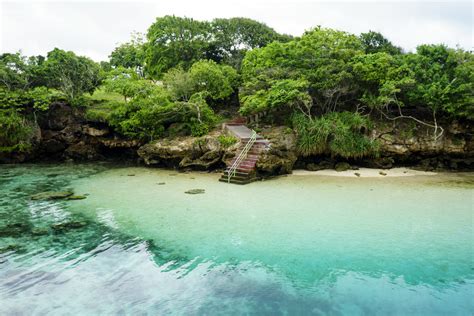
<point x="94" y="132"/>
<point x="281" y="156"/>
<point x="200" y="153"/>
<point x="342" y="166"/>
<point x="82" y="151"/>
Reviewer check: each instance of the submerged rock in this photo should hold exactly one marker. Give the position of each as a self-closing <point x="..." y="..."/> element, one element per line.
<point x="195" y="191"/>
<point x="60" y="227"/>
<point x="76" y="197"/>
<point x="39" y="231"/>
<point x="51" y="195"/>
<point x="15" y="229"/>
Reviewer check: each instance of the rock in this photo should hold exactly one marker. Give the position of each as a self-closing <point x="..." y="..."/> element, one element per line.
<point x="161" y="183"/>
<point x="52" y="146"/>
<point x="10" y="247"/>
<point x="76" y="197"/>
<point x="39" y="231"/>
<point x="324" y="164"/>
<point x="357" y="174"/>
<point x="15" y="229"/>
<point x="281" y="156"/>
<point x="95" y="132"/>
<point x="382" y="173"/>
<point x="199" y="153"/>
<point x="61" y="227"/>
<point x="195" y="191"/>
<point x="51" y="195"/>
<point x="113" y="143"/>
<point x="131" y="175"/>
<point x="342" y="166"/>
<point x="82" y="151"/>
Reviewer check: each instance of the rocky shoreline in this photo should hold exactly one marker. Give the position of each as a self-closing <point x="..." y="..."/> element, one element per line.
<point x="63" y="134"/>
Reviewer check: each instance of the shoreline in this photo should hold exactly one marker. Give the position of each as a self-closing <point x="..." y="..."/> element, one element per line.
<point x="366" y="173"/>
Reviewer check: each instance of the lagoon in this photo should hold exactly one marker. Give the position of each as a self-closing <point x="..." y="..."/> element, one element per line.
<point x="292" y="245"/>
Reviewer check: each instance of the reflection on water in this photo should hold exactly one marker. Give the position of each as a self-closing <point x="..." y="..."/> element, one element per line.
<point x="296" y="245"/>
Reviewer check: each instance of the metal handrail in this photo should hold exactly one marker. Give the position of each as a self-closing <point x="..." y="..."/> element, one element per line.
<point x="243" y="153"/>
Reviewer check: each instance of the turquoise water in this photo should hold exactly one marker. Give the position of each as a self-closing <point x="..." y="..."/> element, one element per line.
<point x="294" y="245"/>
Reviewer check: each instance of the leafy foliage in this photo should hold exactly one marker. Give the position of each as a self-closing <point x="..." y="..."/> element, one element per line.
<point x="15" y="131"/>
<point x="374" y="42"/>
<point x="175" y="42"/>
<point x="216" y="82"/>
<point x="282" y="94"/>
<point x="71" y="74"/>
<point x="130" y="55"/>
<point x="227" y="140"/>
<point x="321" y="57"/>
<point x="337" y="133"/>
<point x="444" y="79"/>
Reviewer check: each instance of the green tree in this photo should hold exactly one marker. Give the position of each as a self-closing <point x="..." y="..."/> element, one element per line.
<point x="127" y="83"/>
<point x="215" y="82"/>
<point x="71" y="74"/>
<point x="130" y="55"/>
<point x="444" y="80"/>
<point x="375" y="42"/>
<point x="322" y="57"/>
<point x="285" y="94"/>
<point x="174" y="42"/>
<point x="235" y="36"/>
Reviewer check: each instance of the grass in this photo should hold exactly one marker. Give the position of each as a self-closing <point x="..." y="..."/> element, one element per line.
<point x="102" y="104"/>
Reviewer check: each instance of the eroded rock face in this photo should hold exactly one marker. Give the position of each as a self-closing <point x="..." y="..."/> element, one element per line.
<point x="281" y="155"/>
<point x="200" y="153"/>
<point x="405" y="142"/>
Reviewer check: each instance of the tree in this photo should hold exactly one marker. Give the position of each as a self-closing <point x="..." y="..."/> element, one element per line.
<point x="127" y="83"/>
<point x="20" y="72"/>
<point x="213" y="81"/>
<point x="130" y="55"/>
<point x="444" y="80"/>
<point x="73" y="75"/>
<point x="173" y="42"/>
<point x="233" y="37"/>
<point x="374" y="42"/>
<point x="322" y="57"/>
<point x="286" y="94"/>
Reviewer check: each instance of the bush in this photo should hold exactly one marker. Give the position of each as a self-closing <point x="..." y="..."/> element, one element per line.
<point x="227" y="140"/>
<point x="337" y="133"/>
<point x="15" y="132"/>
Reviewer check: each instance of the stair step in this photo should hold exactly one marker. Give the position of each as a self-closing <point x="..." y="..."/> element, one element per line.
<point x="245" y="160"/>
<point x="238" y="173"/>
<point x="238" y="181"/>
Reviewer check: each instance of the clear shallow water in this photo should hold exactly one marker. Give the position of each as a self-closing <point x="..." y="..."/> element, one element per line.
<point x="295" y="245"/>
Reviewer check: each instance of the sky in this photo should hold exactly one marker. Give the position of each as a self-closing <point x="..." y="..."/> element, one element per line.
<point x="94" y="28"/>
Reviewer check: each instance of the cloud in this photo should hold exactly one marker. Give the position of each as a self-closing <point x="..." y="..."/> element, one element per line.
<point x="94" y="28"/>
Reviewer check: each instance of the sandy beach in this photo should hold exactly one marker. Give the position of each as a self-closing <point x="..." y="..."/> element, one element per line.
<point x="365" y="173"/>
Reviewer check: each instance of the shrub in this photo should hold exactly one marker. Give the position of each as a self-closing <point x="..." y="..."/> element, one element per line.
<point x="15" y="132"/>
<point x="336" y="133"/>
<point x="227" y="140"/>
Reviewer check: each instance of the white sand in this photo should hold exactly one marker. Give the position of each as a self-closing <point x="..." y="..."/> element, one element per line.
<point x="365" y="173"/>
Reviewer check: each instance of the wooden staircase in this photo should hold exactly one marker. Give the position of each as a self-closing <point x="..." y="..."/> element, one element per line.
<point x="241" y="170"/>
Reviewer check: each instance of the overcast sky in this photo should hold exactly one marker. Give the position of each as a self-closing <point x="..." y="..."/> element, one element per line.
<point x="94" y="28"/>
